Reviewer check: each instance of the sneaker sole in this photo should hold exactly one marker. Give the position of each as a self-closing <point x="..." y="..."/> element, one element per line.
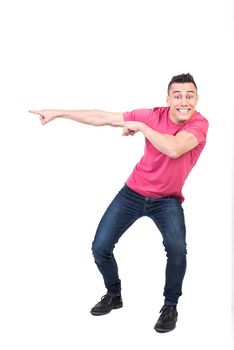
<point x="161" y="330"/>
<point x="101" y="313"/>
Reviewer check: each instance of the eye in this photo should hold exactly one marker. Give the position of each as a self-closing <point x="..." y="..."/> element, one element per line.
<point x="189" y="97"/>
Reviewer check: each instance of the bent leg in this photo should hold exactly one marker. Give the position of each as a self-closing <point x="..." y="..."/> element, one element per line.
<point x="119" y="216"/>
<point x="170" y="221"/>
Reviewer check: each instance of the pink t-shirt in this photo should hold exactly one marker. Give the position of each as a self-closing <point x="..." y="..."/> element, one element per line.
<point x="156" y="174"/>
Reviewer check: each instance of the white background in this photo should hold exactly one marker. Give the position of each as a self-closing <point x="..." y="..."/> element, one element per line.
<point x="56" y="180"/>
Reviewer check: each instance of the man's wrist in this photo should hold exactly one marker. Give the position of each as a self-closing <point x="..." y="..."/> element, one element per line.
<point x="143" y="127"/>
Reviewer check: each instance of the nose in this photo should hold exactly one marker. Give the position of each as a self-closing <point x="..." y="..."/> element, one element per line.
<point x="184" y="101"/>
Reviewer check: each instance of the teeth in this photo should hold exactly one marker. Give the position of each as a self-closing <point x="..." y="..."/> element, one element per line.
<point x="184" y="111"/>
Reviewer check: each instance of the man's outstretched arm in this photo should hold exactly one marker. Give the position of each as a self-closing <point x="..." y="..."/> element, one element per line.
<point x="90" y="117"/>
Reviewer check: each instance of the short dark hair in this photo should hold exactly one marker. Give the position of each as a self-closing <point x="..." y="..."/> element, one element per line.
<point x="182" y="78"/>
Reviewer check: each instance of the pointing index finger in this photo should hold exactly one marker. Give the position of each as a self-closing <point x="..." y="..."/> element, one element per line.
<point x="34" y="111"/>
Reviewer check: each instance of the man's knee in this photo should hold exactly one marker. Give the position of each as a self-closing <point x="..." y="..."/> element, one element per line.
<point x="176" y="252"/>
<point x="100" y="252"/>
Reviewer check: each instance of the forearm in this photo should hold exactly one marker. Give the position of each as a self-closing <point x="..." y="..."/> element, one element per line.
<point x="165" y="143"/>
<point x="91" y="117"/>
<point x="171" y="145"/>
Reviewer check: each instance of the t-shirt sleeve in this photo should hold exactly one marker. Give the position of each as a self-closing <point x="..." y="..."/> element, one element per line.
<point x="199" y="129"/>
<point x="139" y="115"/>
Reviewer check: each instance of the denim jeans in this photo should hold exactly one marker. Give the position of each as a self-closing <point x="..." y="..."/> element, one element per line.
<point x="125" y="209"/>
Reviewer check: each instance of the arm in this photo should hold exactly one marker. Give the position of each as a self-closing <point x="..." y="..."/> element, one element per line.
<point x="172" y="146"/>
<point x="91" y="117"/>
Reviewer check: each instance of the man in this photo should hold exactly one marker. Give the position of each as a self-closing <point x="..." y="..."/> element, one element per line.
<point x="174" y="139"/>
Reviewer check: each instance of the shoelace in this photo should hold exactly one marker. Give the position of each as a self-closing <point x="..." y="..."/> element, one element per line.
<point x="106" y="299"/>
<point x="167" y="311"/>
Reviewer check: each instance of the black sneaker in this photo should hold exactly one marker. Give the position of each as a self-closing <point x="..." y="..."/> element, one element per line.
<point x="167" y="319"/>
<point x="107" y="304"/>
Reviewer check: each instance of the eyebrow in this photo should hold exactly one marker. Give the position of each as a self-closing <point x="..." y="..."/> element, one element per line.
<point x="191" y="91"/>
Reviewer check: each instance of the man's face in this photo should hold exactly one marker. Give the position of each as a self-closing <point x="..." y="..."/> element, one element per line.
<point x="182" y="100"/>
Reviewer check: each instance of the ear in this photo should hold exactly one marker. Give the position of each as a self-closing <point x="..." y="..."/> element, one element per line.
<point x="168" y="100"/>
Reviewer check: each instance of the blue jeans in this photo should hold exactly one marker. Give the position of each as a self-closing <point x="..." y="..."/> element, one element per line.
<point x="125" y="209"/>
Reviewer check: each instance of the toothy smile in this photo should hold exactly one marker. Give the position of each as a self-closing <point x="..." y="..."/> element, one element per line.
<point x="183" y="110"/>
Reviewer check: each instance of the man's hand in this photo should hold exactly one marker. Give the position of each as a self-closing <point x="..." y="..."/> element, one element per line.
<point x="130" y="128"/>
<point x="46" y="115"/>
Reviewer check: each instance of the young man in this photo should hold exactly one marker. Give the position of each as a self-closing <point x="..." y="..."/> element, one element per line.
<point x="174" y="139"/>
